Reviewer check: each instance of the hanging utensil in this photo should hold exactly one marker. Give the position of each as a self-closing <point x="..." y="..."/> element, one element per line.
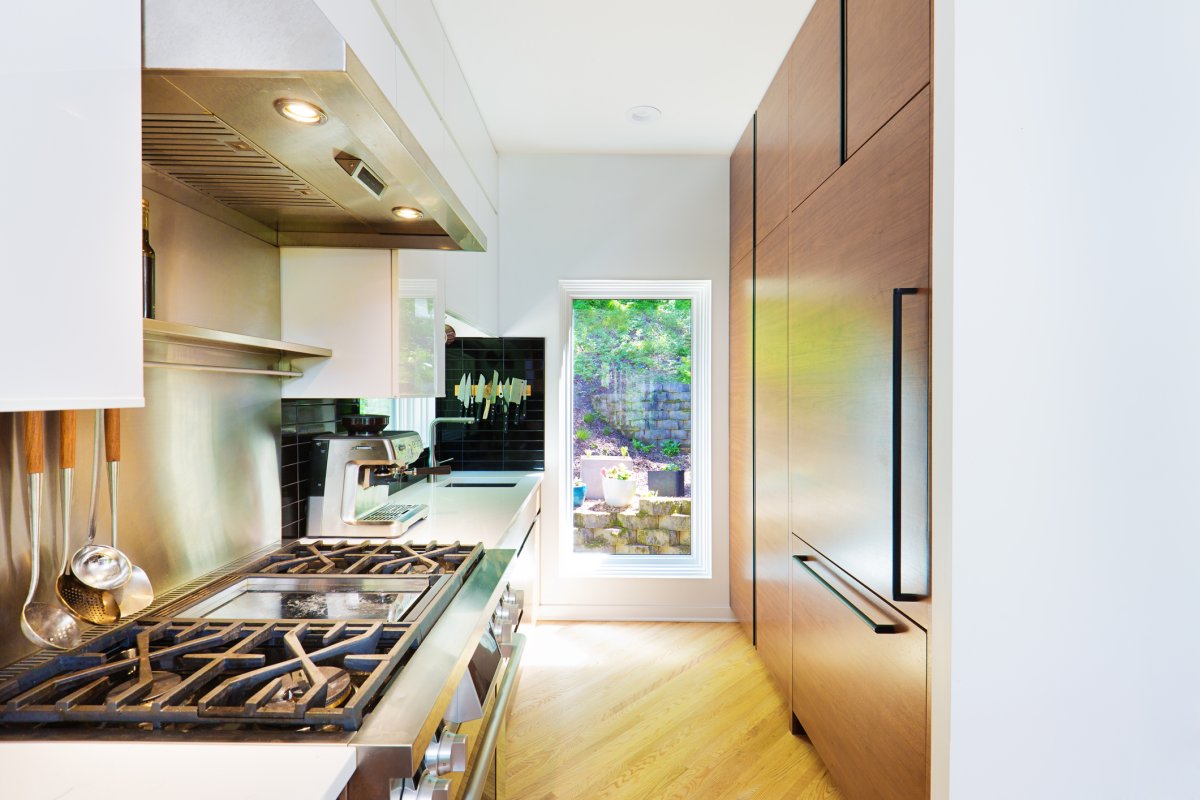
<point x="95" y="606"/>
<point x="98" y="566"/>
<point x="43" y="624"/>
<point x="137" y="593"/>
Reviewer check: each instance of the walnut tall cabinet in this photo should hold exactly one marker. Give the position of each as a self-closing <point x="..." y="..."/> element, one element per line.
<point x="830" y="527"/>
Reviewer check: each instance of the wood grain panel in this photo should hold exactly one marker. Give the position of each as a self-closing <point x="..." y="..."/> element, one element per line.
<point x="771" y="175"/>
<point x="741" y="197"/>
<point x="771" y="453"/>
<point x="860" y="695"/>
<point x="815" y="105"/>
<point x="741" y="442"/>
<point x="865" y="232"/>
<point x="633" y="711"/>
<point x="887" y="62"/>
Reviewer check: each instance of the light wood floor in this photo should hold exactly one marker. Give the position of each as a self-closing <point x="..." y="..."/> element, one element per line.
<point x="643" y="711"/>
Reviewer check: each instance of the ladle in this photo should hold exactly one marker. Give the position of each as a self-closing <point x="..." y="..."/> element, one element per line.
<point x="94" y="565"/>
<point x="136" y="593"/>
<point x="93" y="605"/>
<point x="43" y="624"/>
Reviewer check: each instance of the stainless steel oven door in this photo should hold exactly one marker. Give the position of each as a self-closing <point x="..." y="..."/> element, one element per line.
<point x="484" y="776"/>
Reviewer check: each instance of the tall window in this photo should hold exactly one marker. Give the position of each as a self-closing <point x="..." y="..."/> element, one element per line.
<point x="636" y="425"/>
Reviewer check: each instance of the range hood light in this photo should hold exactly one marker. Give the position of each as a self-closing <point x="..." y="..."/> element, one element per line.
<point x="404" y="212"/>
<point x="300" y="111"/>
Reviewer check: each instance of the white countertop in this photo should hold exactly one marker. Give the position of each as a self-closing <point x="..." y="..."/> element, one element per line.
<point x="155" y="771"/>
<point x="470" y="514"/>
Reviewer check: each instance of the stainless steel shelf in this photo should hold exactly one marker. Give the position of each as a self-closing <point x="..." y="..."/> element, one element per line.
<point x="178" y="333"/>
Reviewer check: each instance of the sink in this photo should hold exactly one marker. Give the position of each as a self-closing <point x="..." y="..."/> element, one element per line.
<point x="477" y="485"/>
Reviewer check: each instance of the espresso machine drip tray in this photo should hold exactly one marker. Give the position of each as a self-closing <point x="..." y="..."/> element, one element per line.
<point x="399" y="514"/>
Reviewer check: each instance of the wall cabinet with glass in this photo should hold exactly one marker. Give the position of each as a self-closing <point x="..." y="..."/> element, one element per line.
<point x="386" y="329"/>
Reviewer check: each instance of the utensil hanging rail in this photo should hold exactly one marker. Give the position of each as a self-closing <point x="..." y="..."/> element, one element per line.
<point x="273" y="373"/>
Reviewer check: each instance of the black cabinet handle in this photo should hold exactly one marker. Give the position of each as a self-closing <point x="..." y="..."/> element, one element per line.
<point x="876" y="627"/>
<point x="897" y="415"/>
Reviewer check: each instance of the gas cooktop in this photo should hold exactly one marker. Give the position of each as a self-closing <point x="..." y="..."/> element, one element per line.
<point x="304" y="638"/>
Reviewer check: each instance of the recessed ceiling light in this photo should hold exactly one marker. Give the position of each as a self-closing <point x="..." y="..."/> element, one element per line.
<point x="404" y="212"/>
<point x="300" y="111"/>
<point x="644" y="115"/>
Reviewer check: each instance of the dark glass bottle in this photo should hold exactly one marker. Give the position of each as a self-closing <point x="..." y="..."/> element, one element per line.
<point x="147" y="265"/>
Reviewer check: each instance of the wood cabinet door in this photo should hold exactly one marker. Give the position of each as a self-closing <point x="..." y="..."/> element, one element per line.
<point x="858" y="683"/>
<point x="887" y="62"/>
<point x="741" y="442"/>
<point x="815" y="105"/>
<point x="771" y="452"/>
<point x="741" y="197"/>
<point x="771" y="175"/>
<point x="864" y="233"/>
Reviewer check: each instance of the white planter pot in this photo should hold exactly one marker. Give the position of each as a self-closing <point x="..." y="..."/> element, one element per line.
<point x="589" y="472"/>
<point x="618" y="492"/>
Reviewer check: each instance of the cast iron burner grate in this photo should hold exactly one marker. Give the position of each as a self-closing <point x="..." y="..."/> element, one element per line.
<point x="367" y="558"/>
<point x="298" y="674"/>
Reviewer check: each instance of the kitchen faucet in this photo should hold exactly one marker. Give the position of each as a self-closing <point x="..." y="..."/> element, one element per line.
<point x="433" y="460"/>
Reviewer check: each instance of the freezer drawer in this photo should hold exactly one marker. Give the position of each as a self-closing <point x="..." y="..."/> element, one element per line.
<point x="858" y="682"/>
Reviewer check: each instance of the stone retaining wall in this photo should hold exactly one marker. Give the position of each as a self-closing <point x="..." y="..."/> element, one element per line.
<point x="650" y="411"/>
<point x="651" y="526"/>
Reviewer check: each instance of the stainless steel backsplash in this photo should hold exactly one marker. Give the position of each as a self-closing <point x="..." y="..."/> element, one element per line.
<point x="199" y="480"/>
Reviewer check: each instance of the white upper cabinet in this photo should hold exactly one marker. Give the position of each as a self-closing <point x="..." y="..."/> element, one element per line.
<point x="402" y="44"/>
<point x="386" y="327"/>
<point x="70" y="205"/>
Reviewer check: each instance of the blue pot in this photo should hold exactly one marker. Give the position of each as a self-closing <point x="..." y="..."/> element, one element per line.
<point x="577" y="494"/>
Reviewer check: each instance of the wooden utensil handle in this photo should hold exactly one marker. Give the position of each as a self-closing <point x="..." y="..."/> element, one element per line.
<point x="33" y="424"/>
<point x="112" y="434"/>
<point x="66" y="439"/>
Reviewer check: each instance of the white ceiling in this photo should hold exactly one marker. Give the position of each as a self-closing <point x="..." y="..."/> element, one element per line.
<point x="560" y="75"/>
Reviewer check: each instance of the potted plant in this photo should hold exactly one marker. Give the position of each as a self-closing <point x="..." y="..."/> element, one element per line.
<point x="666" y="482"/>
<point x="593" y="463"/>
<point x="578" y="491"/>
<point x="619" y="485"/>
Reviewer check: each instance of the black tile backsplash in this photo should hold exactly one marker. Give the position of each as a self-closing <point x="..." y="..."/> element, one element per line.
<point x="302" y="420"/>
<point x="513" y="441"/>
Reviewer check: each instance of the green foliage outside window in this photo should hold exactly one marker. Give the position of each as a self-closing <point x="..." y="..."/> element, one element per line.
<point x="649" y="336"/>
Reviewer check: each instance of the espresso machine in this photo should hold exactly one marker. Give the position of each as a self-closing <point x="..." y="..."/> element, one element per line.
<point x="352" y="483"/>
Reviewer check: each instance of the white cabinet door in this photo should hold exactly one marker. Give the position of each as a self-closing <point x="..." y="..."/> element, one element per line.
<point x="70" y="216"/>
<point x="386" y="330"/>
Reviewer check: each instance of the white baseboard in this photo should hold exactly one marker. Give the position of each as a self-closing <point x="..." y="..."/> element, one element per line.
<point x="621" y="613"/>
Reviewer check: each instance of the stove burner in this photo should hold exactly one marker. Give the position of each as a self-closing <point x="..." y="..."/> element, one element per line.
<point x="161" y="683"/>
<point x="294" y="685"/>
<point x="295" y="673"/>
<point x="365" y="558"/>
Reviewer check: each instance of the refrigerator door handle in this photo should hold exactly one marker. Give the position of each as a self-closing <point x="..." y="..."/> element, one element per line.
<point x="897" y="447"/>
<point x="876" y="627"/>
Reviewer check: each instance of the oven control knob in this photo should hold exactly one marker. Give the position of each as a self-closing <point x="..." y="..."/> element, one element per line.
<point x="502" y="625"/>
<point x="430" y="788"/>
<point x="447" y="755"/>
<point x="509" y="600"/>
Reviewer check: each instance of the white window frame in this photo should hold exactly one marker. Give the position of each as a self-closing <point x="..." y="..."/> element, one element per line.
<point x="699" y="563"/>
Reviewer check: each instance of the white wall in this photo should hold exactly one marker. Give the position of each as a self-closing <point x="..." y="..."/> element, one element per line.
<point x="618" y="217"/>
<point x="1075" y="427"/>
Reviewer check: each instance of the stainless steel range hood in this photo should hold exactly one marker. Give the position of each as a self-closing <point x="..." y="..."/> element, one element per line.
<point x="212" y="73"/>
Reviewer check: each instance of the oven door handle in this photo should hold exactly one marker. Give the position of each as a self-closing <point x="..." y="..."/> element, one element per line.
<point x="487" y="746"/>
